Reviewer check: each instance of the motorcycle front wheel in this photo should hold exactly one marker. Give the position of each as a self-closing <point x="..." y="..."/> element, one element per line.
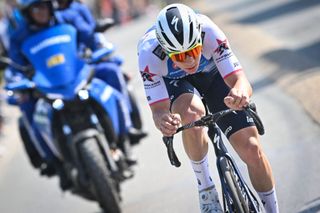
<point x="105" y="187"/>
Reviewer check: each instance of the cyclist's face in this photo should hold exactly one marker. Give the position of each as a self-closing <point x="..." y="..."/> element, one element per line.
<point x="40" y="13"/>
<point x="190" y="64"/>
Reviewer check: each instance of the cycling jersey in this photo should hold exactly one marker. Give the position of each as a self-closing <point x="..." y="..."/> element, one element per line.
<point x="154" y="64"/>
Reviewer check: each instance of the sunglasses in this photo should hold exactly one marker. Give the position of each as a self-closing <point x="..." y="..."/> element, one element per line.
<point x="194" y="52"/>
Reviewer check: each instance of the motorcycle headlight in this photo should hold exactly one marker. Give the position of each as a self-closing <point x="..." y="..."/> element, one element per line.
<point x="83" y="95"/>
<point x="58" y="104"/>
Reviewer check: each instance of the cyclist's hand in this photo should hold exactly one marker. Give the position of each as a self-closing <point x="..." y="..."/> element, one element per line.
<point x="169" y="123"/>
<point x="236" y="99"/>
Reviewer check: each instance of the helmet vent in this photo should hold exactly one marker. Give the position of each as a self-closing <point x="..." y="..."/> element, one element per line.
<point x="190" y="32"/>
<point x="164" y="35"/>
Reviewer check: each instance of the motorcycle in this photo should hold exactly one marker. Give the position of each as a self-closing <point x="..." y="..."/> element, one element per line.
<point x="77" y="115"/>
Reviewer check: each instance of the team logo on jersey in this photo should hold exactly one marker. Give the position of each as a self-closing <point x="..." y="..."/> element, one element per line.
<point x="222" y="46"/>
<point x="174" y="83"/>
<point x="158" y="51"/>
<point x="147" y="75"/>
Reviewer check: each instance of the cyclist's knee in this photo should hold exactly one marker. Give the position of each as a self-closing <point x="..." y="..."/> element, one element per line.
<point x="248" y="147"/>
<point x="252" y="152"/>
<point x="189" y="106"/>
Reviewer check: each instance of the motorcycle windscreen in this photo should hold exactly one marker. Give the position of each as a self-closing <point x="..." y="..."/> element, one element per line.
<point x="53" y="55"/>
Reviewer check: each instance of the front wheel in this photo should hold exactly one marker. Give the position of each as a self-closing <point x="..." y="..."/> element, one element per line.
<point x="238" y="201"/>
<point x="104" y="187"/>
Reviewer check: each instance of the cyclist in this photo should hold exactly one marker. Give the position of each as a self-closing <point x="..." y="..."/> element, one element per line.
<point x="184" y="57"/>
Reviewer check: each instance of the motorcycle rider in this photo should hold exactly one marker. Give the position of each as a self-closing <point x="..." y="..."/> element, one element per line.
<point x="39" y="15"/>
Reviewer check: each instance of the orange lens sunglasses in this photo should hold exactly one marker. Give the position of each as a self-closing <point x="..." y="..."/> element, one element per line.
<point x="181" y="57"/>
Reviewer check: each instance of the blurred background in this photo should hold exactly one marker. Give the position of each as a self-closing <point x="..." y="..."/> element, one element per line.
<point x="278" y="44"/>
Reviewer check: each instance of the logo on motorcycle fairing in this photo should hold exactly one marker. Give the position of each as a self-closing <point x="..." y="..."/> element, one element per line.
<point x="222" y="46"/>
<point x="55" y="60"/>
<point x="49" y="42"/>
<point x="147" y="75"/>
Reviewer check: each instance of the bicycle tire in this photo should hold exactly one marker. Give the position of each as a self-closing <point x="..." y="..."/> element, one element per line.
<point x="239" y="203"/>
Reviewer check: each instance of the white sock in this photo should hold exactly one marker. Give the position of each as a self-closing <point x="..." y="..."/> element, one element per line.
<point x="269" y="201"/>
<point x="201" y="170"/>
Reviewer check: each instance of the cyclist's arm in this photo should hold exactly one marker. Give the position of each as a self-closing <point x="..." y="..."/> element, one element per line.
<point x="159" y="102"/>
<point x="157" y="97"/>
<point x="228" y="65"/>
<point x="152" y="68"/>
<point x="239" y="81"/>
<point x="240" y="91"/>
<point x="166" y="122"/>
<point x="159" y="109"/>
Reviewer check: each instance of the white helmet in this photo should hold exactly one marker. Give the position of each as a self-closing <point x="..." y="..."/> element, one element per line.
<point x="178" y="28"/>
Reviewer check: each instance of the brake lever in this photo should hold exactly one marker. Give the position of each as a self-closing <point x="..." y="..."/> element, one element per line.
<point x="168" y="141"/>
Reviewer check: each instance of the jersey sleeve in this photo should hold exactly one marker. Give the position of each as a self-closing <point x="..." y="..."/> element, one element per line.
<point x="153" y="82"/>
<point x="224" y="58"/>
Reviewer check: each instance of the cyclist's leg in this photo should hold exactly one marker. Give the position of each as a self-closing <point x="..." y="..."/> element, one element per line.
<point x="190" y="108"/>
<point x="185" y="102"/>
<point x="246" y="143"/>
<point x="243" y="135"/>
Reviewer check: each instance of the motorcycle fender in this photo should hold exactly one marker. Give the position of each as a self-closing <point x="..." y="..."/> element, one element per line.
<point x="108" y="98"/>
<point x="92" y="133"/>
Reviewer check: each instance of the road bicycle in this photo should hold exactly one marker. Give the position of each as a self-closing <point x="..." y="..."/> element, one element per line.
<point x="237" y="196"/>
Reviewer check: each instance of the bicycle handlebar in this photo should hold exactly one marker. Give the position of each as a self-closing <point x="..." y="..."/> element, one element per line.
<point x="206" y="121"/>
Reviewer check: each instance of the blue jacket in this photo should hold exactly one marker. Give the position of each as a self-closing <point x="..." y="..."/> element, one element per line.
<point x="85" y="34"/>
<point x="84" y="12"/>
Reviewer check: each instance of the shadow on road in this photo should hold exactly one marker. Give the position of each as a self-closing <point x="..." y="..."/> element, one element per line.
<point x="311" y="207"/>
<point x="275" y="12"/>
<point x="299" y="60"/>
<point x="296" y="60"/>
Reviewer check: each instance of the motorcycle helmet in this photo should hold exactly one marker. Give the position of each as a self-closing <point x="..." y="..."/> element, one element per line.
<point x="25" y="5"/>
<point x="178" y="28"/>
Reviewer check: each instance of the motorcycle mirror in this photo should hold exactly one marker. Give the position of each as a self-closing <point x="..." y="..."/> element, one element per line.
<point x="7" y="61"/>
<point x="103" y="25"/>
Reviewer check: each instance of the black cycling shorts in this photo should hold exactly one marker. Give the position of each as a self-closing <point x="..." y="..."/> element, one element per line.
<point x="213" y="89"/>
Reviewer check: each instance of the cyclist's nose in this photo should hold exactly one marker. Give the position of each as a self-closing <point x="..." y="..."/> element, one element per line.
<point x="190" y="59"/>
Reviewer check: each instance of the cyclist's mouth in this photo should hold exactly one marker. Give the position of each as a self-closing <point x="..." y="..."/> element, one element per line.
<point x="191" y="69"/>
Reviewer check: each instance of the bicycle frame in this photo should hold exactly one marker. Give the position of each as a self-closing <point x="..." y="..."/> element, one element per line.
<point x="222" y="154"/>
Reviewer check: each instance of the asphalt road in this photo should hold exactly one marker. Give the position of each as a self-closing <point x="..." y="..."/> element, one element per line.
<point x="291" y="140"/>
